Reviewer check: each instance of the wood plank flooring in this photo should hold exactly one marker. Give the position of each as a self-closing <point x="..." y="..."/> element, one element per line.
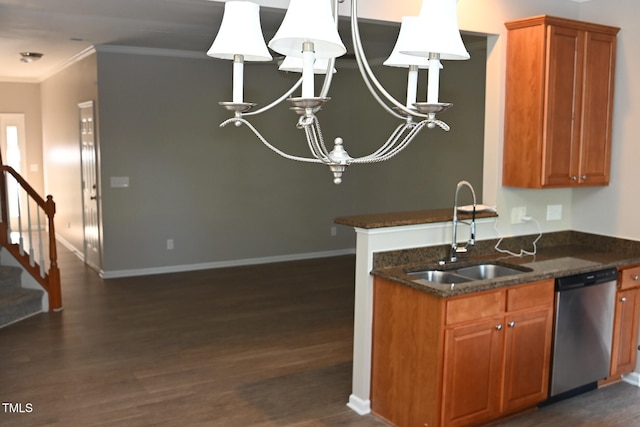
<point x="266" y="346"/>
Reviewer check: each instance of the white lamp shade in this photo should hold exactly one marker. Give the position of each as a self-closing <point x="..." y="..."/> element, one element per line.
<point x="240" y="33"/>
<point x="397" y="59"/>
<point x="437" y="32"/>
<point x="308" y="21"/>
<point x="294" y="65"/>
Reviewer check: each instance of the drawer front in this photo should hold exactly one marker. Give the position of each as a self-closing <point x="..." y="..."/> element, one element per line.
<point x="531" y="295"/>
<point x="630" y="277"/>
<point x="474" y="307"/>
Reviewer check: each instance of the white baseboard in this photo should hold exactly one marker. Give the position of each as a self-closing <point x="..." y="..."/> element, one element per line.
<point x="77" y="252"/>
<point x="359" y="406"/>
<point x="114" y="274"/>
<point x="632" y="378"/>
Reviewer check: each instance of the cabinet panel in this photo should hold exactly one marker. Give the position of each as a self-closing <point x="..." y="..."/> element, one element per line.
<point x="527" y="359"/>
<point x="625" y="329"/>
<point x="406" y="354"/>
<point x="562" y="142"/>
<point x="630" y="278"/>
<point x="597" y="108"/>
<point x="471" y="379"/>
<point x="474" y="307"/>
<point x="531" y="295"/>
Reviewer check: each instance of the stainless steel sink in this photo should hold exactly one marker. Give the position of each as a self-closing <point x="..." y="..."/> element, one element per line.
<point x="488" y="271"/>
<point x="467" y="274"/>
<point x="439" y="276"/>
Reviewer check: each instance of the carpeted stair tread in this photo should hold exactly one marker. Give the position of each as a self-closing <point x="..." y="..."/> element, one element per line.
<point x="17" y="303"/>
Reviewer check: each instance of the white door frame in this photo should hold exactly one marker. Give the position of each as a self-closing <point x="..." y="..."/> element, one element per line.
<point x="92" y="229"/>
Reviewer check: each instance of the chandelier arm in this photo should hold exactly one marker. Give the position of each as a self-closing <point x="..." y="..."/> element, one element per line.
<point x="237" y="120"/>
<point x="363" y="66"/>
<point x="391" y="141"/>
<point x="320" y="139"/>
<point x="277" y="101"/>
<point x="368" y="75"/>
<point x="389" y="150"/>
<point x="312" y="141"/>
<point x="400" y="147"/>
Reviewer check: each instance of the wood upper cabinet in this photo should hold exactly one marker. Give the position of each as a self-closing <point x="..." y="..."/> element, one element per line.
<point x="559" y="103"/>
<point x="460" y="361"/>
<point x="625" y="328"/>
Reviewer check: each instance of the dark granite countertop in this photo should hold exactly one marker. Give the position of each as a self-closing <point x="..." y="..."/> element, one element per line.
<point x="395" y="219"/>
<point x="562" y="254"/>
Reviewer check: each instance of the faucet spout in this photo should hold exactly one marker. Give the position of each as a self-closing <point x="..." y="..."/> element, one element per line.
<point x="455" y="250"/>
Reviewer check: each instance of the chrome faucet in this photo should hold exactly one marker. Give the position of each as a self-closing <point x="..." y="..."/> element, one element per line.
<point x="455" y="250"/>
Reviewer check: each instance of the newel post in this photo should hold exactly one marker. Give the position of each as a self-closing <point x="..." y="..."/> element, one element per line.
<point x="55" y="294"/>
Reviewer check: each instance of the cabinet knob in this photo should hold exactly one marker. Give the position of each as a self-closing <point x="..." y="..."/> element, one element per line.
<point x="623" y="299"/>
<point x="584" y="177"/>
<point x="636" y="277"/>
<point x="512" y="324"/>
<point x="574" y="178"/>
<point x="498" y="327"/>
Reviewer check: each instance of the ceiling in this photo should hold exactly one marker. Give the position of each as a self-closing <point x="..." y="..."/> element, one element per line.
<point x="63" y="29"/>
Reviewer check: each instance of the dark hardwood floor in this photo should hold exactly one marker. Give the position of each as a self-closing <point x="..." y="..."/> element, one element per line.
<point x="266" y="345"/>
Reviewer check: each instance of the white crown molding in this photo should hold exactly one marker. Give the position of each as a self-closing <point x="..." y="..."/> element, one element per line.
<point x="69" y="62"/>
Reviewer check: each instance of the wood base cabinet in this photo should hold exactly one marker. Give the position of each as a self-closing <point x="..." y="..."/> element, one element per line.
<point x="559" y="103"/>
<point x="625" y="327"/>
<point x="459" y="361"/>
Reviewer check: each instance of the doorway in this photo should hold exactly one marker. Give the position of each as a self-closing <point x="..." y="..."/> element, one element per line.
<point x="90" y="196"/>
<point x="12" y="146"/>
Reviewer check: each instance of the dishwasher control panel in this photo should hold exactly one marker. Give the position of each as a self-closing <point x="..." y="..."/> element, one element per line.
<point x="586" y="279"/>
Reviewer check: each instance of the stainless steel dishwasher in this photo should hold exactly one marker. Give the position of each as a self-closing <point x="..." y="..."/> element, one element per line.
<point x="585" y="305"/>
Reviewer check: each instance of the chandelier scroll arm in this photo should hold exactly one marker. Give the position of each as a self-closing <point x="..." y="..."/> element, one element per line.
<point x="278" y="101"/>
<point x="240" y="120"/>
<point x="397" y="148"/>
<point x="369" y="77"/>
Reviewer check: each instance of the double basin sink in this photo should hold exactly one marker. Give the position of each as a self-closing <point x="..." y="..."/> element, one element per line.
<point x="467" y="273"/>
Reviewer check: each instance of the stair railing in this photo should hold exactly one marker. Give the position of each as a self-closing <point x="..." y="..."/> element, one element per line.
<point x="28" y="233"/>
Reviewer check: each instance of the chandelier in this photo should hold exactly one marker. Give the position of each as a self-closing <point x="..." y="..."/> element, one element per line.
<point x="308" y="38"/>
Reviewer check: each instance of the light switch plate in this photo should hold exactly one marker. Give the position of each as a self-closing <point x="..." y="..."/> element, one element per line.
<point x="554" y="212"/>
<point x="119" y="182"/>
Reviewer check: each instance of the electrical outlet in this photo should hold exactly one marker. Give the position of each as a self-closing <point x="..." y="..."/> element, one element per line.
<point x="334" y="231"/>
<point x="517" y="213"/>
<point x="169" y="244"/>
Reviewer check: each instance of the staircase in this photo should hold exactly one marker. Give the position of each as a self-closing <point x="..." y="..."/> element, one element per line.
<point x="16" y="302"/>
<point x="27" y="239"/>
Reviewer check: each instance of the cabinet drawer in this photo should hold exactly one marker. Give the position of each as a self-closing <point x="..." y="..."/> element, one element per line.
<point x="530" y="295"/>
<point x="474" y="307"/>
<point x="630" y="277"/>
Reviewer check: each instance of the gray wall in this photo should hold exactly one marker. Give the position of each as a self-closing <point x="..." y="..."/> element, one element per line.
<point x="223" y="196"/>
<point x="220" y="194"/>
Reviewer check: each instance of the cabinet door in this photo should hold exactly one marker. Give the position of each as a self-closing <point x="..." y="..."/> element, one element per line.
<point x="564" y="75"/>
<point x="597" y="109"/>
<point x="472" y="365"/>
<point x="527" y="359"/>
<point x="625" y="330"/>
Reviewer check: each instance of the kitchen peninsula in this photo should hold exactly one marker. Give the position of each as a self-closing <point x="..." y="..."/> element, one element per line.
<point x="390" y="244"/>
